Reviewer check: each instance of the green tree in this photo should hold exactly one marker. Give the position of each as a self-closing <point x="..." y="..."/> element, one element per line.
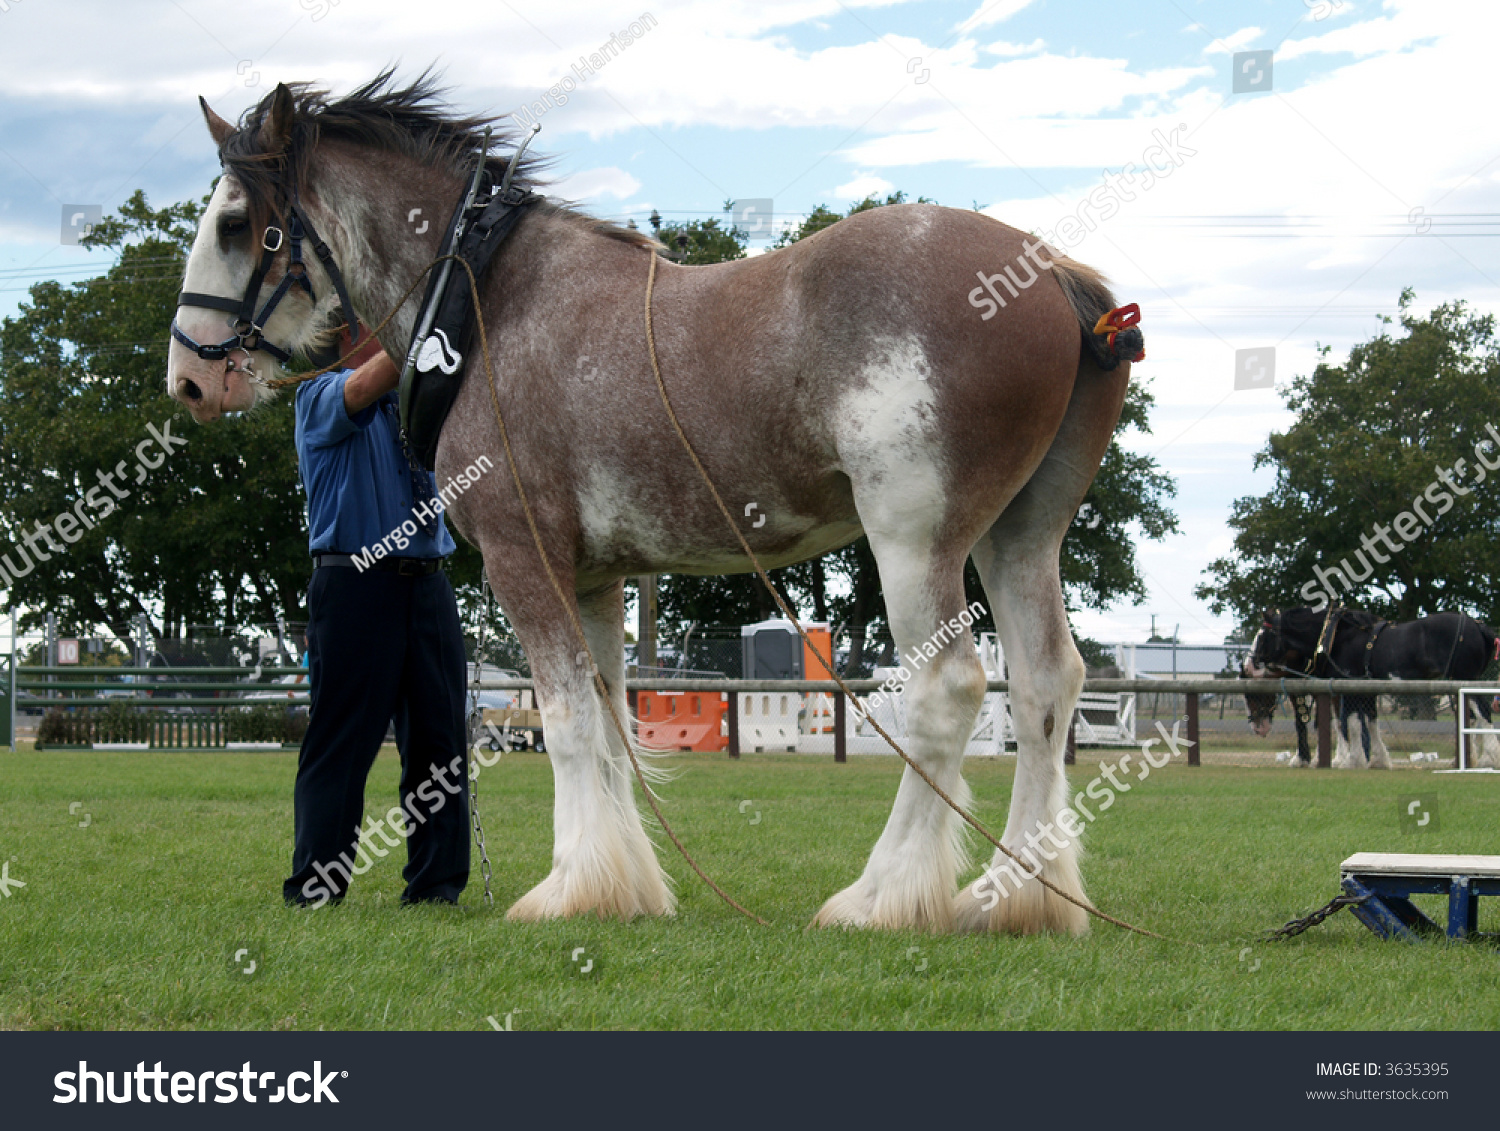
<point x="700" y="241"/>
<point x="1369" y="441"/>
<point x="214" y="535"/>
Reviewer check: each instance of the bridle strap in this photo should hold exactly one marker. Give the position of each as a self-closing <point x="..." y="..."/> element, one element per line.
<point x="1334" y="609"/>
<point x="1370" y="644"/>
<point x="248" y="325"/>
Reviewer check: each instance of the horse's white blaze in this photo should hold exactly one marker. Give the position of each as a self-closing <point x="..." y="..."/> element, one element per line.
<point x="295" y="324"/>
<point x="208" y="272"/>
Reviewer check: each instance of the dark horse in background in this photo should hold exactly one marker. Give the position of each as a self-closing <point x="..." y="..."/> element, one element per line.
<point x="1343" y="643"/>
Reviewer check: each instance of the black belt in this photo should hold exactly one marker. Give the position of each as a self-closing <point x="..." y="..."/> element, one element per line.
<point x="405" y="567"/>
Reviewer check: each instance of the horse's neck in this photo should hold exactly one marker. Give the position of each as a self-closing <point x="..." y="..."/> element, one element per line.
<point x="389" y="219"/>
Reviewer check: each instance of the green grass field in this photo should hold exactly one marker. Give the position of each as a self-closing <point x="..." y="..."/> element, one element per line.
<point x="133" y="922"/>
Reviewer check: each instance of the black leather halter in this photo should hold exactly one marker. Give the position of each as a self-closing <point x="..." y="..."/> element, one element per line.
<point x="248" y="326"/>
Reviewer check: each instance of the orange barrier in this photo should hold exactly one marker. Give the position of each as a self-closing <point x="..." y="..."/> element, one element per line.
<point x="683" y="720"/>
<point x="819" y="640"/>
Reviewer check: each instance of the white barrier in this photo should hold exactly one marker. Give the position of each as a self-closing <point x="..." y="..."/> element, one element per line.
<point x="770" y="720"/>
<point x="1486" y="752"/>
<point x="805" y="723"/>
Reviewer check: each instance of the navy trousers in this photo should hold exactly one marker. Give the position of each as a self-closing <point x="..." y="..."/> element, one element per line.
<point x="382" y="646"/>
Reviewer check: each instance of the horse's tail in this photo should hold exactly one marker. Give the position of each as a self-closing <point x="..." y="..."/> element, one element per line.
<point x="1089" y="296"/>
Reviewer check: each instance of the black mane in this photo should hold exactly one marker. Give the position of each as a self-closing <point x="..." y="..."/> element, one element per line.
<point x="415" y="121"/>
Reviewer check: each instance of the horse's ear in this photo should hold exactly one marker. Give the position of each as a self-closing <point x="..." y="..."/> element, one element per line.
<point x="276" y="127"/>
<point x="218" y="128"/>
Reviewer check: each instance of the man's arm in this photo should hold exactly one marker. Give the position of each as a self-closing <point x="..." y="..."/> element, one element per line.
<point x="371" y="381"/>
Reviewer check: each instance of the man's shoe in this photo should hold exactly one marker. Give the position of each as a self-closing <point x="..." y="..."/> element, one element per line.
<point x="302" y="901"/>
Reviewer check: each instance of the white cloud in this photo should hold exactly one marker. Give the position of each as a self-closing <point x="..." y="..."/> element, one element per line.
<point x="1002" y="48"/>
<point x="590" y="184"/>
<point x="1369" y="37"/>
<point x="1235" y="42"/>
<point x="992" y="12"/>
<point x="865" y="184"/>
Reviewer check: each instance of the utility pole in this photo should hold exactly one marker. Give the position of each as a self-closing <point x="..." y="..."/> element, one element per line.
<point x="14" y="675"/>
<point x="50" y="649"/>
<point x="645" y="635"/>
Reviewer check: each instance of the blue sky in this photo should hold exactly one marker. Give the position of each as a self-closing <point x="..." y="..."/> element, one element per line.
<point x="1370" y="164"/>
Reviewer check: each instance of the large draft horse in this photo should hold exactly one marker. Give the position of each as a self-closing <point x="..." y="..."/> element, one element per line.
<point x="1342" y="643"/>
<point x="853" y="383"/>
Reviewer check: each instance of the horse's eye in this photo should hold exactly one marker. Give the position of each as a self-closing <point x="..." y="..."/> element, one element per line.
<point x="230" y="228"/>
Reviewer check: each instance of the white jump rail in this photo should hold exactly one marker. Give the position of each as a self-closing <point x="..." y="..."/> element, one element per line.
<point x="1486" y="755"/>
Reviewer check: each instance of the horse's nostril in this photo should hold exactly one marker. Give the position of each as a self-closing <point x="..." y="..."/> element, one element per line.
<point x="189" y="391"/>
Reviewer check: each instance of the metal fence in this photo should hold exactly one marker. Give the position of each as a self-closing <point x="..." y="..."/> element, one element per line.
<point x="1406" y="728"/>
<point x="1415" y="727"/>
<point x="1230" y="721"/>
<point x="62" y="706"/>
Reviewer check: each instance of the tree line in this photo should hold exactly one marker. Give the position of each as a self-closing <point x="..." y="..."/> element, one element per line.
<point x="213" y="533"/>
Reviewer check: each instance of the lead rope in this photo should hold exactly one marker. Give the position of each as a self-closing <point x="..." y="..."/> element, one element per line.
<point x="572" y="612"/>
<point x="477" y="726"/>
<point x="843" y="687"/>
<point x="515" y="474"/>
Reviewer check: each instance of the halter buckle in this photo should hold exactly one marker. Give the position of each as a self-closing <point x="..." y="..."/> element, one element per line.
<point x="265" y="239"/>
<point x="248" y="333"/>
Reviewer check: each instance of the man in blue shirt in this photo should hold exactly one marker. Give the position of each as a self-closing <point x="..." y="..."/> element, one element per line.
<point x="384" y="641"/>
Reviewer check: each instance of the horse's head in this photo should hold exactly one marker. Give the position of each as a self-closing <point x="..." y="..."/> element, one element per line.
<point x="1262" y="709"/>
<point x="1266" y="660"/>
<point x="1267" y="656"/>
<point x="250" y="299"/>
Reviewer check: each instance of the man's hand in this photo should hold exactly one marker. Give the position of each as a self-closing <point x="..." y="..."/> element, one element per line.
<point x="371" y="381"/>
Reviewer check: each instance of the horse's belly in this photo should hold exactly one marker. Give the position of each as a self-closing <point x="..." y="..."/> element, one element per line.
<point x="626" y="530"/>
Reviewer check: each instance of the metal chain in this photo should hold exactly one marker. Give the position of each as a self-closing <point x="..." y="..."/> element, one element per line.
<point x="476" y="728"/>
<point x="1297" y="926"/>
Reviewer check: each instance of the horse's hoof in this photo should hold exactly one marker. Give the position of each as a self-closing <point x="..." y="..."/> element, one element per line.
<point x="860" y="905"/>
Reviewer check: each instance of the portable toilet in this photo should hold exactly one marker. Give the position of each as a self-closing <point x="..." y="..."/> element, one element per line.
<point x="771" y="650"/>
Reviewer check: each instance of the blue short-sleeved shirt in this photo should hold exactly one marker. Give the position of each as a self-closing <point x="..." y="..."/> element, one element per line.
<point x="357" y="479"/>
